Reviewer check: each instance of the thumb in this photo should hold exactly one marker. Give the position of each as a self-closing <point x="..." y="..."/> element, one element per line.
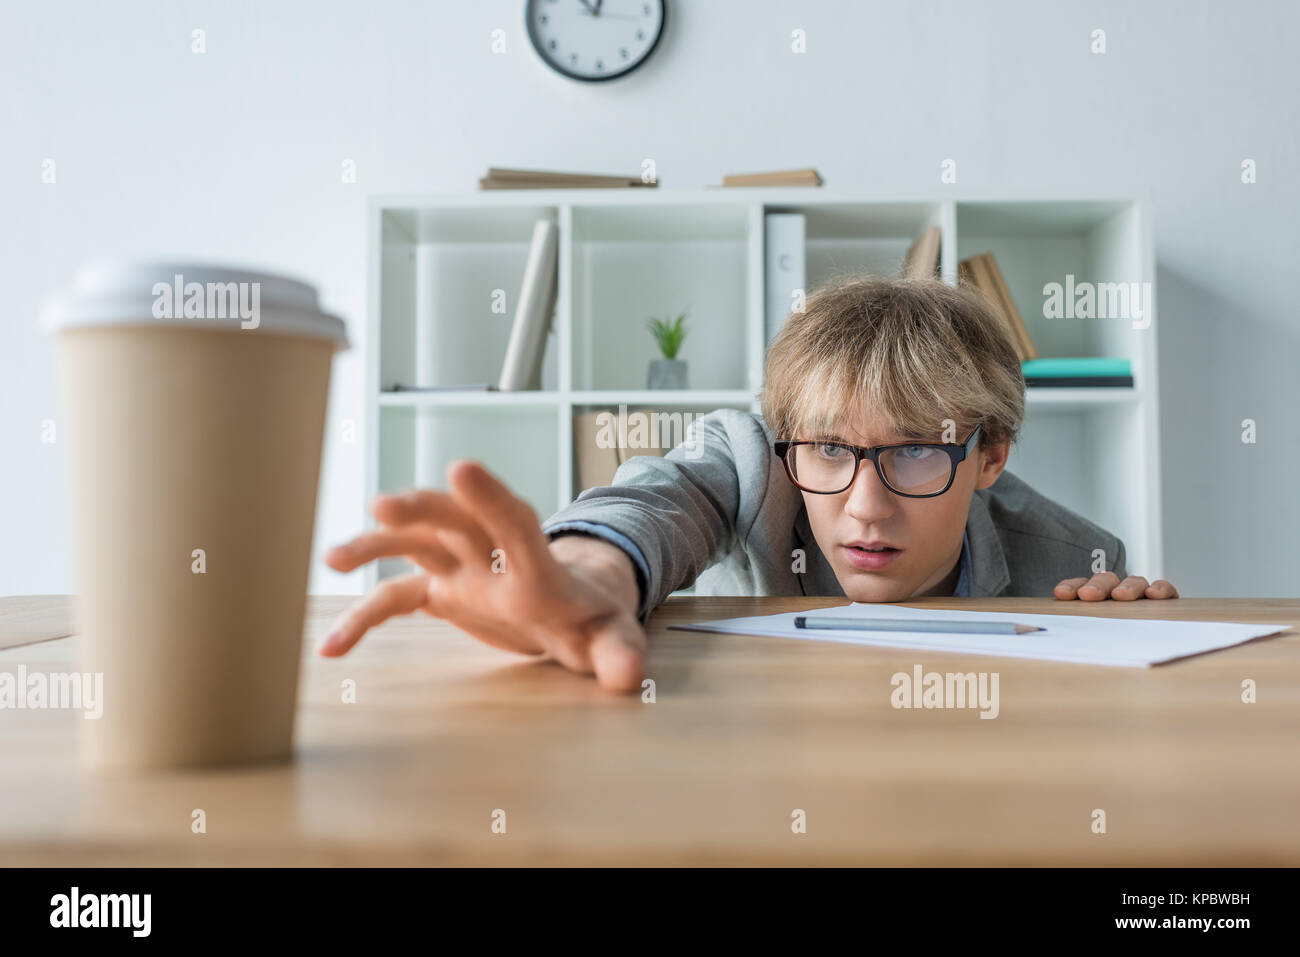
<point x="618" y="651"/>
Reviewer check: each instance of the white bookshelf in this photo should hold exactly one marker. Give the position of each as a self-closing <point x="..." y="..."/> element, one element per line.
<point x="624" y="255"/>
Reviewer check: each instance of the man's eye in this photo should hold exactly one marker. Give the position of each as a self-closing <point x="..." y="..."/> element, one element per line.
<point x="915" y="452"/>
<point x="831" y="451"/>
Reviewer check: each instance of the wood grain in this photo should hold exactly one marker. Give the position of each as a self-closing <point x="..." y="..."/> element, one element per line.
<point x="743" y="731"/>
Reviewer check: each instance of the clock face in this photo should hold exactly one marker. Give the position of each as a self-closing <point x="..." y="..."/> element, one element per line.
<point x="595" y="39"/>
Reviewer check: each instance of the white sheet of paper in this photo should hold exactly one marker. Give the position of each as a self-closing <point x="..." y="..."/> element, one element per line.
<point x="1123" y="642"/>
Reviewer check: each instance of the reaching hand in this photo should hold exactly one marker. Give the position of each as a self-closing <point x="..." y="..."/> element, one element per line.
<point x="490" y="571"/>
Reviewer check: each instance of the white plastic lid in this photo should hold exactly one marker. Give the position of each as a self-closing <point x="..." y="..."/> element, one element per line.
<point x="108" y="293"/>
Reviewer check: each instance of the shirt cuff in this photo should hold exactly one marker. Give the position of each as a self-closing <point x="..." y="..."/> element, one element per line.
<point x="614" y="537"/>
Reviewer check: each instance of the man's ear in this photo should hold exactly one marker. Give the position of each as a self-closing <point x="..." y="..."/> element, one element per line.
<point x="993" y="460"/>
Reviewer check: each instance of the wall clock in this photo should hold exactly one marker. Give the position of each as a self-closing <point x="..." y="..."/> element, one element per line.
<point x="595" y="40"/>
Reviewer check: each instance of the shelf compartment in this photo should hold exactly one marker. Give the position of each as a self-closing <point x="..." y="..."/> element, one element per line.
<point x="1097" y="243"/>
<point x="630" y="263"/>
<point x="853" y="239"/>
<point x="444" y="271"/>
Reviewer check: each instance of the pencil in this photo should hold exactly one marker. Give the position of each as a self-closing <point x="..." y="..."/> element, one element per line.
<point x="915" y="624"/>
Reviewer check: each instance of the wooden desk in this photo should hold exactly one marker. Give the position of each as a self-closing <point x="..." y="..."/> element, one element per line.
<point x="744" y="730"/>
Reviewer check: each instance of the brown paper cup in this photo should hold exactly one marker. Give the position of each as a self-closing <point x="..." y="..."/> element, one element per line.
<point x="194" y="463"/>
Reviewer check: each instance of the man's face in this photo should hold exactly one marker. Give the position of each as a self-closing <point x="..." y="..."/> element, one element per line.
<point x="927" y="532"/>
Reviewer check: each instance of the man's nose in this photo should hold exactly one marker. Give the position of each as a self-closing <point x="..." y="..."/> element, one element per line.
<point x="869" y="499"/>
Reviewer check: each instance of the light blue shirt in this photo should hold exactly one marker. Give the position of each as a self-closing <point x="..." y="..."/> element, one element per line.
<point x="623" y="542"/>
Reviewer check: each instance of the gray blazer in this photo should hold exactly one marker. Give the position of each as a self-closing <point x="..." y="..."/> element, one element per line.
<point x="719" y="512"/>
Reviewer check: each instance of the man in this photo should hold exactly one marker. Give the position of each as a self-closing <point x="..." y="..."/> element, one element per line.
<point x="875" y="472"/>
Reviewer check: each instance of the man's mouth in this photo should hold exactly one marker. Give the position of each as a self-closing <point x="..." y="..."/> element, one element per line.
<point x="875" y="545"/>
<point x="870" y="556"/>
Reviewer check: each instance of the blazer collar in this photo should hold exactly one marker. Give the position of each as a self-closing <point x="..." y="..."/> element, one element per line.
<point x="988" y="563"/>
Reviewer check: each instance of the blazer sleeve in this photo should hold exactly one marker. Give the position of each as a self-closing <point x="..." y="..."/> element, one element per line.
<point x="679" y="509"/>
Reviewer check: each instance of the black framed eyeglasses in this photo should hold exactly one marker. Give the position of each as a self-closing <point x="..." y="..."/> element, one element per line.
<point x="913" y="470"/>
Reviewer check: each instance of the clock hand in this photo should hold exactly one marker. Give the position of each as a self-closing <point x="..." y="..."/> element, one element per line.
<point x="595" y="11"/>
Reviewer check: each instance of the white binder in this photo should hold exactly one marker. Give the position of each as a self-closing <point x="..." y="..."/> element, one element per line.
<point x="785" y="268"/>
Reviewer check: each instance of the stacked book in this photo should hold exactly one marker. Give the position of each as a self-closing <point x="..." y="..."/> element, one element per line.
<point x="1081" y="372"/>
<point x="786" y="177"/>
<point x="500" y="178"/>
<point x="983" y="273"/>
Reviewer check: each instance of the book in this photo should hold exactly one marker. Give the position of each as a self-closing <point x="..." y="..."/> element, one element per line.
<point x="922" y="259"/>
<point x="534" y="308"/>
<point x="1009" y="306"/>
<point x="594" y="465"/>
<point x="789" y="177"/>
<point x="783" y="248"/>
<point x="1075" y="372"/>
<point x="597" y="460"/>
<point x="470" y="387"/>
<point x="485" y="184"/>
<point x="982" y="273"/>
<point x="1080" y="382"/>
<point x="503" y="178"/>
<point x="968" y="276"/>
<point x="983" y="283"/>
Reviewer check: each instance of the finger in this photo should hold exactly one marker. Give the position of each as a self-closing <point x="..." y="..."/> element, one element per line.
<point x="1130" y="589"/>
<point x="459" y="529"/>
<point x="400" y="595"/>
<point x="423" y="549"/>
<point x="1162" y="589"/>
<point x="1099" y="586"/>
<point x="1069" y="588"/>
<point x="618" y="653"/>
<point x="510" y="522"/>
<point x="572" y="651"/>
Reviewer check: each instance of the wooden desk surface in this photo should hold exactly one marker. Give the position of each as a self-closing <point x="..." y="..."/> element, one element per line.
<point x="744" y="730"/>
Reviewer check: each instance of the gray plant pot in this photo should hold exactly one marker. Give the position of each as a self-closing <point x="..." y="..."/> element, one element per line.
<point x="667" y="374"/>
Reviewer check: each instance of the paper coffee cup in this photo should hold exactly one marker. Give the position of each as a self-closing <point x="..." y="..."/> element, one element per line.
<point x="194" y="402"/>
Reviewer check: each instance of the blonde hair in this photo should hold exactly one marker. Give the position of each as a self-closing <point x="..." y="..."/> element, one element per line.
<point x="917" y="351"/>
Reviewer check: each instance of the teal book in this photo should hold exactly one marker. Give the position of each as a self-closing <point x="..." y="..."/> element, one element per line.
<point x="1078" y="371"/>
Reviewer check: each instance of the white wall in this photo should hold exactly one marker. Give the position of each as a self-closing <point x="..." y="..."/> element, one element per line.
<point x="236" y="155"/>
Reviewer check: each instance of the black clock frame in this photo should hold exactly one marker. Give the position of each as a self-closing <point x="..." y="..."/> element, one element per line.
<point x="533" y="38"/>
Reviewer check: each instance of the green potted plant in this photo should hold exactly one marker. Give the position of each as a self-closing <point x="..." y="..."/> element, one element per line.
<point x="668" y="372"/>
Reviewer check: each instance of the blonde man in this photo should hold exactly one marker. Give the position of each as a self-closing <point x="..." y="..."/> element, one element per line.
<point x="876" y="472"/>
